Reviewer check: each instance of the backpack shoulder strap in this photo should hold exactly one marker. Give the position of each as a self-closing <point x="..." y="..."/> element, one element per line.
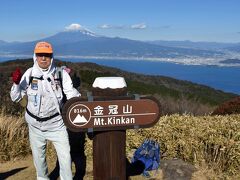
<point x="30" y="80"/>
<point x="59" y="75"/>
<point x="32" y="77"/>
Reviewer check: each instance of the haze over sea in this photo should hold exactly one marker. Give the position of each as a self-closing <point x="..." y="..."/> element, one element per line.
<point x="223" y="78"/>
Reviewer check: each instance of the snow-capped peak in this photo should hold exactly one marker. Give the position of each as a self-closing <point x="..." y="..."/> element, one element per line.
<point x="79" y="28"/>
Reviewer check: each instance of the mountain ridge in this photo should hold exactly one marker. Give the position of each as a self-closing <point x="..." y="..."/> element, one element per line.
<point x="87" y="43"/>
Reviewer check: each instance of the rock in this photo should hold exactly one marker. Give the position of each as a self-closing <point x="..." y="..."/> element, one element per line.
<point x="176" y="169"/>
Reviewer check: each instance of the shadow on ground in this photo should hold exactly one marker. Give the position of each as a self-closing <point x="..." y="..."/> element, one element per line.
<point x="7" y="174"/>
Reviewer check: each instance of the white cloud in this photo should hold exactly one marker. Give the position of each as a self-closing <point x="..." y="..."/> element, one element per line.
<point x="139" y="26"/>
<point x="108" y="26"/>
<point x="134" y="26"/>
<point x="105" y="26"/>
<point x="73" y="27"/>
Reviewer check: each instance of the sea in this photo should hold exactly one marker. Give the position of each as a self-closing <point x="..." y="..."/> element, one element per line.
<point x="222" y="78"/>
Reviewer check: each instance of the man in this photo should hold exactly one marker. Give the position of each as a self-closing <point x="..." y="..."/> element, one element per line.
<point x="41" y="84"/>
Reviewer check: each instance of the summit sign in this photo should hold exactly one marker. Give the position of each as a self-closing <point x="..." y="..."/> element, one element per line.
<point x="116" y="115"/>
<point x="99" y="115"/>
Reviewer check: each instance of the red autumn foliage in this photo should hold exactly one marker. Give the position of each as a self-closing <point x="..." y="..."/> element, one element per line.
<point x="229" y="107"/>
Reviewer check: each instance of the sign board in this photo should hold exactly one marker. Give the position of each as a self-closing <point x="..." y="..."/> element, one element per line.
<point x="79" y="114"/>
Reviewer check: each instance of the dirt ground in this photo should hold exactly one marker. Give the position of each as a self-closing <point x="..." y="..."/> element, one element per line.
<point x="169" y="170"/>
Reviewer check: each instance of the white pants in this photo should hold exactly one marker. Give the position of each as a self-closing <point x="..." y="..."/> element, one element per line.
<point x="38" y="141"/>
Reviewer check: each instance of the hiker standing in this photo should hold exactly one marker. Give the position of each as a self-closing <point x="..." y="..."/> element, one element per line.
<point x="44" y="90"/>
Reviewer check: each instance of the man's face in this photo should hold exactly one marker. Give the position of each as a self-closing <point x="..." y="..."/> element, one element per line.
<point x="44" y="60"/>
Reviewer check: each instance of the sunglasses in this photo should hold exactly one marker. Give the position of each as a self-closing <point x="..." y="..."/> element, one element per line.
<point x="44" y="54"/>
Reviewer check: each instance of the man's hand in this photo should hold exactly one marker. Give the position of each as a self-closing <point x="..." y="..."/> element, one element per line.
<point x="16" y="76"/>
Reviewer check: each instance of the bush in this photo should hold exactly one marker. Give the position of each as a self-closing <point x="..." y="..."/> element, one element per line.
<point x="211" y="140"/>
<point x="229" y="107"/>
<point x="205" y="140"/>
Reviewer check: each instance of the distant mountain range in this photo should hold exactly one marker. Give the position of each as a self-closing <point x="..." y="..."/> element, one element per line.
<point x="86" y="43"/>
<point x="196" y="45"/>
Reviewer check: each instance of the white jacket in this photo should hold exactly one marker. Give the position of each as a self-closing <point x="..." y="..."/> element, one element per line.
<point x="44" y="96"/>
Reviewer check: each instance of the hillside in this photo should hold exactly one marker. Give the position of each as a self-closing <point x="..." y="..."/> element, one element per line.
<point x="175" y="96"/>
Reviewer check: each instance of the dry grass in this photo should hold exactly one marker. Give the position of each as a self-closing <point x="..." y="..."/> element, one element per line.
<point x="212" y="141"/>
<point x="208" y="142"/>
<point x="13" y="137"/>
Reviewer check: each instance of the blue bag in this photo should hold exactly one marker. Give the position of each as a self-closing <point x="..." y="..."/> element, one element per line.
<point x="149" y="154"/>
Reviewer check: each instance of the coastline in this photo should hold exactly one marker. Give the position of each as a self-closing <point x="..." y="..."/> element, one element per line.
<point x="195" y="61"/>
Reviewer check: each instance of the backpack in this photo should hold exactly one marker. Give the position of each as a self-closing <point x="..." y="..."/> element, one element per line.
<point x="149" y="154"/>
<point x="23" y="101"/>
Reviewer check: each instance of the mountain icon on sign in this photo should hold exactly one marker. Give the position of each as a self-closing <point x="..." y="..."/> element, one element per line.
<point x="80" y="119"/>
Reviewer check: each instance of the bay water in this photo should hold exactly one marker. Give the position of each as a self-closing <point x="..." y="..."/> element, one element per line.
<point x="222" y="78"/>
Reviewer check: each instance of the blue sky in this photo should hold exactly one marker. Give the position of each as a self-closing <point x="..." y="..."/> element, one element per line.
<point x="195" y="20"/>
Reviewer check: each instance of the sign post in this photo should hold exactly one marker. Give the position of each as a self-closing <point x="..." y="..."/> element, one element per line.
<point x="108" y="113"/>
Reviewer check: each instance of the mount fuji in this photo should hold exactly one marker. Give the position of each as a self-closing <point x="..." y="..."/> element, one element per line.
<point x="83" y="42"/>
